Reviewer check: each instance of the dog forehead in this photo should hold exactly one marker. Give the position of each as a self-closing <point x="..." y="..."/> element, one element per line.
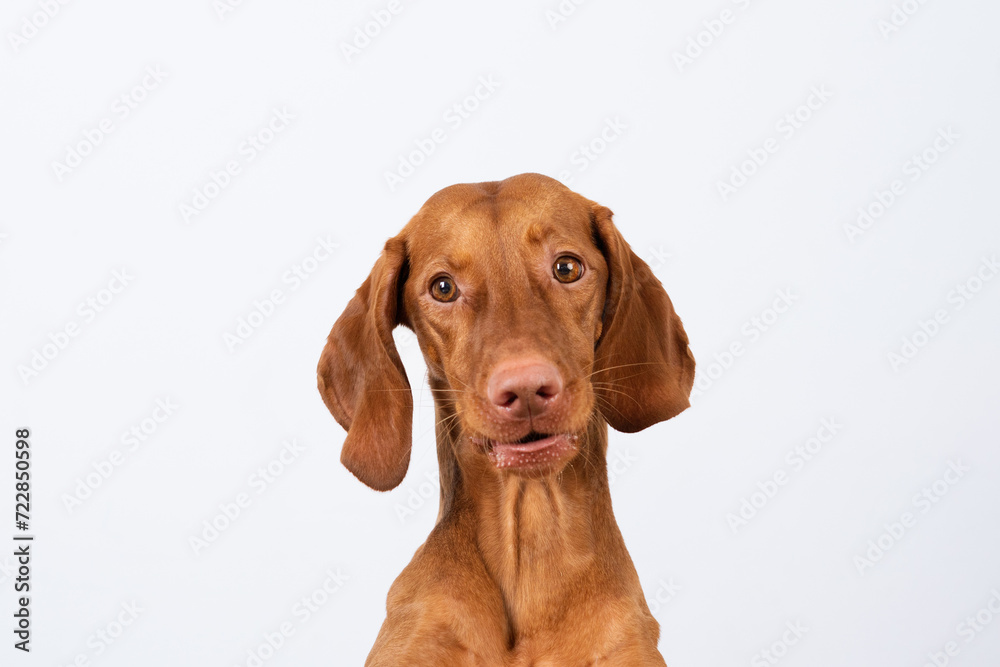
<point x="472" y="219"/>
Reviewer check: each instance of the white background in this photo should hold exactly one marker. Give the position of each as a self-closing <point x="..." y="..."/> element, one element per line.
<point x="724" y="594"/>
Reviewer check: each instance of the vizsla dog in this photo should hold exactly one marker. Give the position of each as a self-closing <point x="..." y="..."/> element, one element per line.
<point x="540" y="327"/>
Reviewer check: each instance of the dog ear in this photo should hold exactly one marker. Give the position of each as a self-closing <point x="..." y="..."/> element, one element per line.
<point x="362" y="380"/>
<point x="642" y="364"/>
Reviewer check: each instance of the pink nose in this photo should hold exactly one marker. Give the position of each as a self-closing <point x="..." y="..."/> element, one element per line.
<point x="524" y="387"/>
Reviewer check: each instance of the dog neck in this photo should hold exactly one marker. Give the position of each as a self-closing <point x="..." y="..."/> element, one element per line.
<point x="558" y="529"/>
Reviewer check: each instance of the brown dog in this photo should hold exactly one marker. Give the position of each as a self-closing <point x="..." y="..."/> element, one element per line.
<point x="540" y="327"/>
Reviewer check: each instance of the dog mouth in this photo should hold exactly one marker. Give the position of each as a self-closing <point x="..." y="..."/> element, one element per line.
<point x="533" y="436"/>
<point x="535" y="452"/>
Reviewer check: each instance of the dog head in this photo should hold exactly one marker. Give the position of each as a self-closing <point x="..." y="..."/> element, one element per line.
<point x="534" y="317"/>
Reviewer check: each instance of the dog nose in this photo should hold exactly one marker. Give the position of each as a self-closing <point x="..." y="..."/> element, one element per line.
<point x="523" y="388"/>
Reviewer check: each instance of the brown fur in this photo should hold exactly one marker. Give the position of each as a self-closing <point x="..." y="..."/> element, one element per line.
<point x="520" y="570"/>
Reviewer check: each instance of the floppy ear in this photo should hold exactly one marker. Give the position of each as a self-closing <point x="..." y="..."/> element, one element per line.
<point x="642" y="355"/>
<point x="362" y="380"/>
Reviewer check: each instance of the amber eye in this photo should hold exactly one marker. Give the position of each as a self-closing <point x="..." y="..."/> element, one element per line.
<point x="443" y="289"/>
<point x="567" y="269"/>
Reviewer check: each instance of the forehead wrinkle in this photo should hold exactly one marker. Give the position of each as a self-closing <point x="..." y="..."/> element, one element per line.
<point x="537" y="233"/>
<point x="454" y="263"/>
<point x="551" y="226"/>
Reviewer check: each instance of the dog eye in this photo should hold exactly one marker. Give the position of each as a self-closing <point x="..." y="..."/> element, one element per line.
<point x="443" y="289"/>
<point x="567" y="269"/>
